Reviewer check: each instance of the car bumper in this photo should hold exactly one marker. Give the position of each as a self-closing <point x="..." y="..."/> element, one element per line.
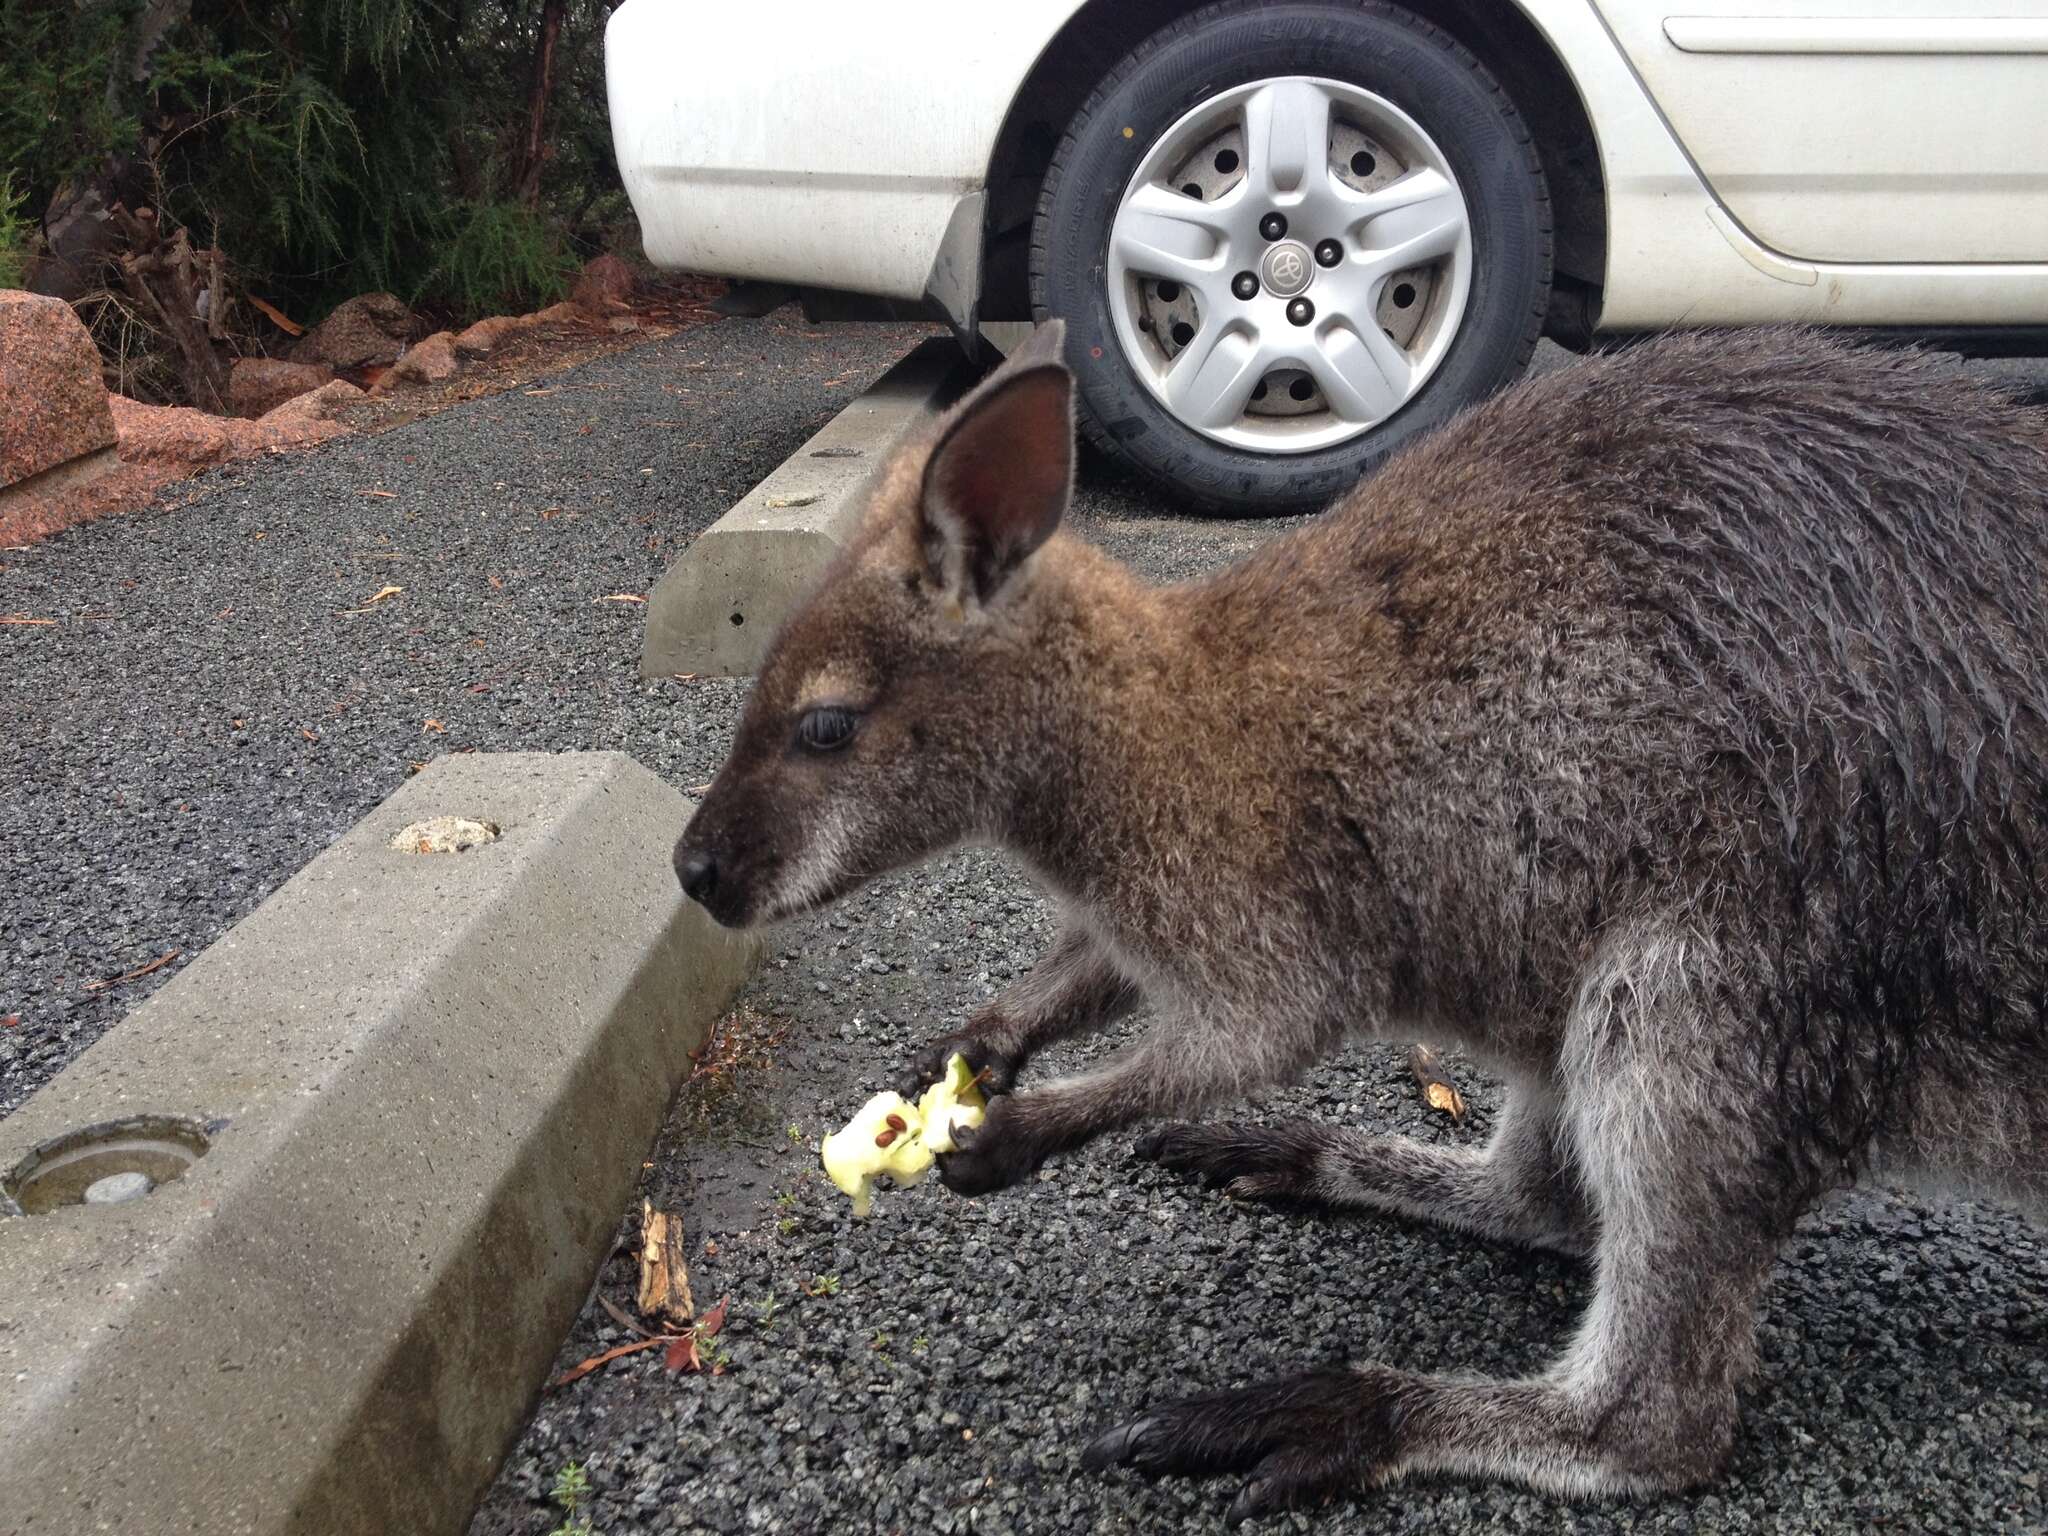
<point x="804" y="144"/>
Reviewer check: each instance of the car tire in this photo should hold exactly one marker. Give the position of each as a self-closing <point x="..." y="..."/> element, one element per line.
<point x="1385" y="71"/>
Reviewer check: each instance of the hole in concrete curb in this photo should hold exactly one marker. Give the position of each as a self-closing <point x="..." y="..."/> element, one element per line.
<point x="104" y="1164"/>
<point x="738" y="620"/>
<point x="445" y="834"/>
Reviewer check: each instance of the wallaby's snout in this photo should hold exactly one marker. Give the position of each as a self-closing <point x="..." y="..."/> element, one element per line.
<point x="884" y="723"/>
<point x="735" y="857"/>
<point x="696" y="871"/>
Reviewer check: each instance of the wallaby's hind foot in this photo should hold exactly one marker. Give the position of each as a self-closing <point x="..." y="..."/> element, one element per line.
<point x="1277" y="1163"/>
<point x="1516" y="1190"/>
<point x="1300" y="1439"/>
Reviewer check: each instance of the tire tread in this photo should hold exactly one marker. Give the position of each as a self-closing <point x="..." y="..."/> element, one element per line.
<point x="1212" y="499"/>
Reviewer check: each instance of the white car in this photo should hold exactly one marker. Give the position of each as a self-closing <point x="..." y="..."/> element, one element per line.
<point x="1287" y="237"/>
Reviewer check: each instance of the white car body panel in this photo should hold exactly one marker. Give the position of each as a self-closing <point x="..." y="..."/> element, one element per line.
<point x="873" y="138"/>
<point x="1858" y="131"/>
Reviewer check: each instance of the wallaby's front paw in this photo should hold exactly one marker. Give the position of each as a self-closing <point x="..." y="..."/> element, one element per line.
<point x="997" y="1071"/>
<point x="991" y="1156"/>
<point x="1258" y="1162"/>
<point x="1301" y="1438"/>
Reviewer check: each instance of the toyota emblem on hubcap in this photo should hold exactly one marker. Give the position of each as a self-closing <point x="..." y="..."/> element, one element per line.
<point x="1287" y="268"/>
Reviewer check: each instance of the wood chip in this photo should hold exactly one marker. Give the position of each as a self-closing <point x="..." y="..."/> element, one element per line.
<point x="1438" y="1091"/>
<point x="664" y="1277"/>
<point x="22" y="618"/>
<point x="621" y="597"/>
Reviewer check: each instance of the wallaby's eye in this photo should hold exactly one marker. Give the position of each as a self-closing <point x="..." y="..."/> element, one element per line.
<point x="826" y="728"/>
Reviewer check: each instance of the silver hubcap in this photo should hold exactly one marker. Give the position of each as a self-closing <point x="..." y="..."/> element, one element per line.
<point x="1287" y="334"/>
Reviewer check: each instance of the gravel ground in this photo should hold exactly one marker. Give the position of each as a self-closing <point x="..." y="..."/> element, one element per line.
<point x="936" y="1367"/>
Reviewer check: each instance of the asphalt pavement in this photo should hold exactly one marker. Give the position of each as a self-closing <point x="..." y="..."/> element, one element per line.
<point x="221" y="699"/>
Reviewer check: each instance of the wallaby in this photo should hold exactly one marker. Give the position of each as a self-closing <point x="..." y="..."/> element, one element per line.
<point x="1670" y="732"/>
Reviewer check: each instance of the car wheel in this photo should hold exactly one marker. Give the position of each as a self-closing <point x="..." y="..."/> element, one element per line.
<point x="1287" y="238"/>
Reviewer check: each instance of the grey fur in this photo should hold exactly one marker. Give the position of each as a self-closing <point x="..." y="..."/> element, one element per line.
<point x="1671" y="732"/>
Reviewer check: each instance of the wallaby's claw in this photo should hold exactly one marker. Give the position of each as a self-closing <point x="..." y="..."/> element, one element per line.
<point x="1254" y="1499"/>
<point x="996" y="1071"/>
<point x="1301" y="1439"/>
<point x="1116" y="1447"/>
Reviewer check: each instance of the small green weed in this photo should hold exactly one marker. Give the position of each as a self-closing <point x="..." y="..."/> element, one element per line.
<point x="572" y="1487"/>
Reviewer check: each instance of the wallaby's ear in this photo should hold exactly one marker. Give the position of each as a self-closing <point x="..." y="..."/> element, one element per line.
<point x="1000" y="477"/>
<point x="1045" y="344"/>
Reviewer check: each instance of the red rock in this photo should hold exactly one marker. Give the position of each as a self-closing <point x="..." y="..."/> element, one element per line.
<point x="605" y="284"/>
<point x="489" y="335"/>
<point x="53" y="407"/>
<point x="369" y="328"/>
<point x="159" y="446"/>
<point x="322" y="404"/>
<point x="560" y="314"/>
<point x="173" y="436"/>
<point x="257" y="385"/>
<point x="427" y="362"/>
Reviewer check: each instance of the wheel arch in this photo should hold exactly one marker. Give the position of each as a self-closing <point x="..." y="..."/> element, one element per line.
<point x="1500" y="33"/>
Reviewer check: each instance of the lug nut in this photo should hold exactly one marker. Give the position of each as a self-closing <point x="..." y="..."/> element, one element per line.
<point x="1245" y="285"/>
<point x="1328" y="253"/>
<point x="1273" y="226"/>
<point x="1300" y="311"/>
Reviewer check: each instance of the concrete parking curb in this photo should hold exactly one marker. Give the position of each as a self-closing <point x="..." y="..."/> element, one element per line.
<point x="394" y="1114"/>
<point x="715" y="610"/>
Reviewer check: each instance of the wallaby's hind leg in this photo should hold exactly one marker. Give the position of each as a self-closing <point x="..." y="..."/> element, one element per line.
<point x="1676" y="1158"/>
<point x="1517" y="1189"/>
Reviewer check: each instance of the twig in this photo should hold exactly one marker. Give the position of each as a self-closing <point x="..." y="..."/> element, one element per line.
<point x="620" y="1316"/>
<point x="157" y="964"/>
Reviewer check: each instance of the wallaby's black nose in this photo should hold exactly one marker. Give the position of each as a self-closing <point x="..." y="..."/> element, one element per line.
<point x="698" y="872"/>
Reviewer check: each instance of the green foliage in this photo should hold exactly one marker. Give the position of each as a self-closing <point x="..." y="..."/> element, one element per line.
<point x="497" y="256"/>
<point x="58" y="117"/>
<point x="13" y="234"/>
<point x="329" y="147"/>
